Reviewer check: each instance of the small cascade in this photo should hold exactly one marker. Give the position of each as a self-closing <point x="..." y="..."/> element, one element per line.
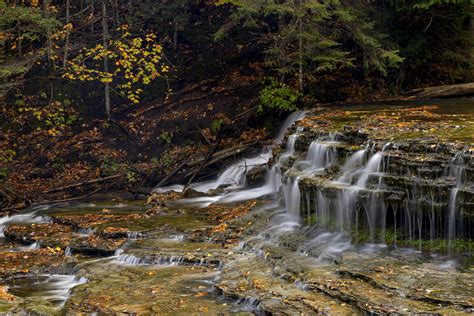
<point x="135" y="235"/>
<point x="373" y="166"/>
<point x="234" y="176"/>
<point x="54" y="288"/>
<point x="352" y="167"/>
<point x="456" y="171"/>
<point x="379" y="194"/>
<point x="321" y="153"/>
<point x="26" y="218"/>
<point x="87" y="231"/>
<point x="131" y="259"/>
<point x="128" y="259"/>
<point x="292" y="196"/>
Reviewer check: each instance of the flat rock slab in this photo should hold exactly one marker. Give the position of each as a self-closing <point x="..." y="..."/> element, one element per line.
<point x="144" y="290"/>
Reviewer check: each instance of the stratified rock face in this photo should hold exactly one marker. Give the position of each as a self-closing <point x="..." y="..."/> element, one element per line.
<point x="376" y="185"/>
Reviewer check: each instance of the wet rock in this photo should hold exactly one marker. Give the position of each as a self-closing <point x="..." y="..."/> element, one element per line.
<point x="25" y="262"/>
<point x="84" y="221"/>
<point x="114" y="233"/>
<point x="95" y="246"/>
<point x="191" y="193"/>
<point x="156" y="200"/>
<point x="48" y="234"/>
<point x="250" y="282"/>
<point x="219" y="190"/>
<point x="256" y="176"/>
<point x="156" y="290"/>
<point x="423" y="281"/>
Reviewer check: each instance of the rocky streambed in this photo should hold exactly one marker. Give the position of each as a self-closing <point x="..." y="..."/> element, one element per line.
<point x="349" y="216"/>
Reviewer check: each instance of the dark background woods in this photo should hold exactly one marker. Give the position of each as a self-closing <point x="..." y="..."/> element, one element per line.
<point x="235" y="68"/>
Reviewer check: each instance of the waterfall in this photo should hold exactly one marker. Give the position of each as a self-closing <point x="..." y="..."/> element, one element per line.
<point x="352" y="166"/>
<point x="455" y="170"/>
<point x="26" y="218"/>
<point x="365" y="192"/>
<point x="234" y="176"/>
<point x="372" y="167"/>
<point x="321" y="152"/>
<point x="292" y="196"/>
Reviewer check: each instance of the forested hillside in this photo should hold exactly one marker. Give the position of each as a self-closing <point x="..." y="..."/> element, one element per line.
<point x="128" y="93"/>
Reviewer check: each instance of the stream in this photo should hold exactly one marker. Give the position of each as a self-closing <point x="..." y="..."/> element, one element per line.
<point x="343" y="214"/>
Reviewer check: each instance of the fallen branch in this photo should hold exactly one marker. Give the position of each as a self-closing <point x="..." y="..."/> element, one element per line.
<point x="222" y="155"/>
<point x="84" y="183"/>
<point x="219" y="138"/>
<point x="24" y="205"/>
<point x="175" y="171"/>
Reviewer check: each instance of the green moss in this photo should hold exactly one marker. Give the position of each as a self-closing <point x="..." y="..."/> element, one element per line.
<point x="311" y="220"/>
<point x="178" y="221"/>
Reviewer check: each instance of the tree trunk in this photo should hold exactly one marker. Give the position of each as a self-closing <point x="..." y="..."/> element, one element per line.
<point x="300" y="57"/>
<point x="117" y="13"/>
<point x="19" y="45"/>
<point x="66" y="44"/>
<point x="175" y="34"/>
<point x="92" y="15"/>
<point x="105" y="40"/>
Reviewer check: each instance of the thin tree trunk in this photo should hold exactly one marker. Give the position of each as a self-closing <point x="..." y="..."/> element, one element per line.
<point x="19" y="44"/>
<point x="117" y="13"/>
<point x="92" y="16"/>
<point x="300" y="62"/>
<point x="105" y="40"/>
<point x="48" y="42"/>
<point x="66" y="45"/>
<point x="175" y="34"/>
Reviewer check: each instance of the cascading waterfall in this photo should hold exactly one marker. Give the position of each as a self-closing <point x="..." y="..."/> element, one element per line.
<point x="321" y="152"/>
<point x="456" y="171"/>
<point x="234" y="176"/>
<point x="337" y="189"/>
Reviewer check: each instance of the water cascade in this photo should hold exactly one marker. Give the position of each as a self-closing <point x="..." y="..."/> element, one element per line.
<point x="363" y="190"/>
<point x="54" y="288"/>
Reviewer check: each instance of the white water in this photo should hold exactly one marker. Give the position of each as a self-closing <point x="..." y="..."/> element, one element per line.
<point x="455" y="170"/>
<point x="322" y="153"/>
<point x="54" y="288"/>
<point x="26" y="218"/>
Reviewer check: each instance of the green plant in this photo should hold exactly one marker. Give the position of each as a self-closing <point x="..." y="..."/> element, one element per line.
<point x="216" y="125"/>
<point x="131" y="176"/>
<point x="166" y="137"/>
<point x="278" y="95"/>
<point x="110" y="167"/>
<point x="7" y="155"/>
<point x="59" y="166"/>
<point x="3" y="174"/>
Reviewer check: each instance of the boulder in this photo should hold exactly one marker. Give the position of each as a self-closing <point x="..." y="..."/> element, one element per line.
<point x="256" y="175"/>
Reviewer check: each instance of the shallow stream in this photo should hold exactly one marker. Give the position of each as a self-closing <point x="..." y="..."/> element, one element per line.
<point x="351" y="217"/>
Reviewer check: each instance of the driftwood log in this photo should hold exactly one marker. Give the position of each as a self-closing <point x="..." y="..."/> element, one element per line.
<point x="449" y="91"/>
